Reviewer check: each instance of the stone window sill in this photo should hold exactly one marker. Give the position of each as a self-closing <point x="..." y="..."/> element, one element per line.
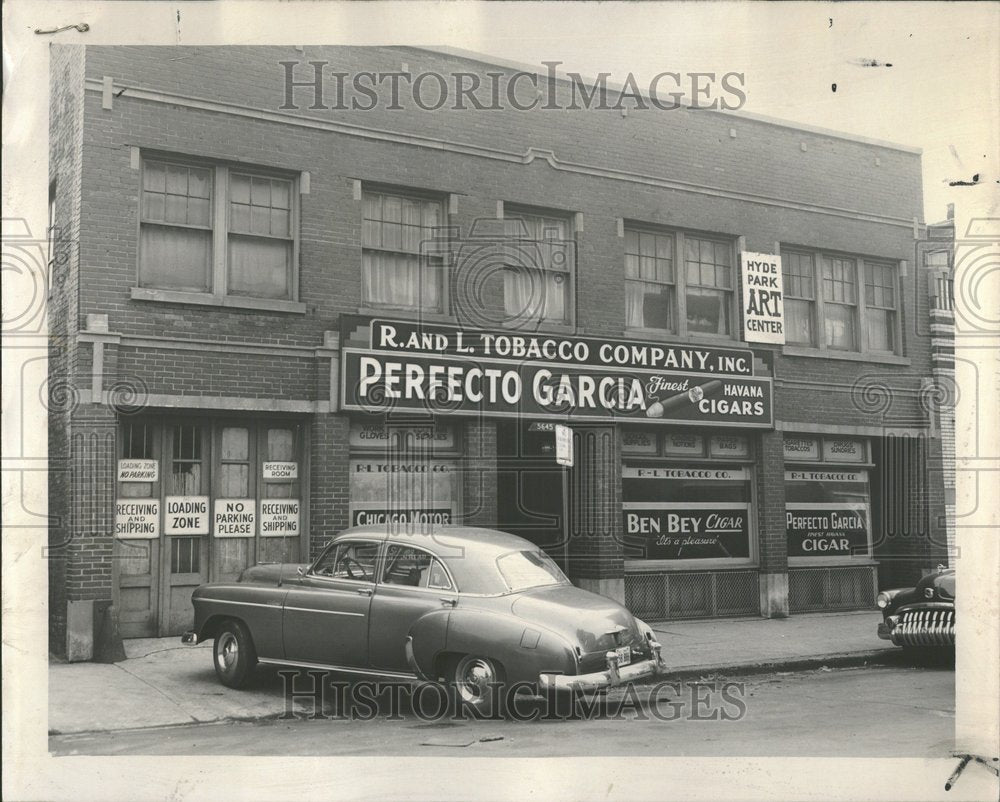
<point x="226" y="301"/>
<point x="849" y="356"/>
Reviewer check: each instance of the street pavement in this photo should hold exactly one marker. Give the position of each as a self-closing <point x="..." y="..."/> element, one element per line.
<point x="163" y="684"/>
<point x="875" y="711"/>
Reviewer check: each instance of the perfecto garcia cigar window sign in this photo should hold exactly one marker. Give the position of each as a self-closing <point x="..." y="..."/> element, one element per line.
<point x="443" y="369"/>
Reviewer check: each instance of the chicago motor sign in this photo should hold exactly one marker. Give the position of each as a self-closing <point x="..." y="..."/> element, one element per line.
<point x="429" y="373"/>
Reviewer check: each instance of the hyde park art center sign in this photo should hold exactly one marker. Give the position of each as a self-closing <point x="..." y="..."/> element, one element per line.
<point x="439" y="370"/>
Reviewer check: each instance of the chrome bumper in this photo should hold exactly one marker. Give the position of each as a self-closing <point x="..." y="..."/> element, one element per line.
<point x="611" y="676"/>
<point x="190" y="638"/>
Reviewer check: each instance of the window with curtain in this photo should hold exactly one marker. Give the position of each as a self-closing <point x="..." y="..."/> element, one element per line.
<point x="880" y="307"/>
<point x="244" y="246"/>
<point x="649" y="280"/>
<point x="175" y="240"/>
<point x="840" y="302"/>
<point x="398" y="269"/>
<point x="540" y="263"/>
<point x="709" y="292"/>
<point x="798" y="281"/>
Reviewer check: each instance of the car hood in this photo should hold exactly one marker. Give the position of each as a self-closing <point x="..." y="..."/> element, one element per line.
<point x="587" y="619"/>
<point x="271" y="573"/>
<point x="942" y="583"/>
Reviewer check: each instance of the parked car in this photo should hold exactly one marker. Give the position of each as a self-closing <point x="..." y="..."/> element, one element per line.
<point x="466" y="606"/>
<point x="920" y="617"/>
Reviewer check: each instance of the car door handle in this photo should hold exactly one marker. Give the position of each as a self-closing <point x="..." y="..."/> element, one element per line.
<point x="448" y="602"/>
<point x="365" y="591"/>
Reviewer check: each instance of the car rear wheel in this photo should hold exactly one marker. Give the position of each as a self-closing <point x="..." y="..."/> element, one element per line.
<point x="234" y="654"/>
<point x="477" y="683"/>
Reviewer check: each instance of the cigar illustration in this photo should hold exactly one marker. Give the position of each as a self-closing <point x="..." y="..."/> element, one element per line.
<point x="692" y="396"/>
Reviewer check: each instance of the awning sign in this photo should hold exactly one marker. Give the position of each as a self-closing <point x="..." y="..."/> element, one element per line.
<point x="186" y="515"/>
<point x="235" y="517"/>
<point x="138" y="470"/>
<point x="279" y="517"/>
<point x="763" y="304"/>
<point x="137" y="518"/>
<point x="377" y="383"/>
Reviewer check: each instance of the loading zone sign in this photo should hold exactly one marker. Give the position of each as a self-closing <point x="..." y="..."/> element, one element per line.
<point x="763" y="298"/>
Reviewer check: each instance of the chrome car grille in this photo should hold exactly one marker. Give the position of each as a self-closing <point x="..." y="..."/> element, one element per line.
<point x="925" y="628"/>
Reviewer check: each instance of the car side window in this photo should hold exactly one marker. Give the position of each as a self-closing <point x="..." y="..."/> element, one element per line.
<point x="414" y="568"/>
<point x="349" y="560"/>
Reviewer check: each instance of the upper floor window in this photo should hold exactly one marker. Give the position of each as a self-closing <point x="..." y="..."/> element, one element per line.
<point x="697" y="298"/>
<point x="840" y="302"/>
<point x="399" y="271"/>
<point x="540" y="263"/>
<point x="216" y="229"/>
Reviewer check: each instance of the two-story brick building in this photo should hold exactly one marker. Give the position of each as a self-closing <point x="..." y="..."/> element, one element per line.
<point x="275" y="316"/>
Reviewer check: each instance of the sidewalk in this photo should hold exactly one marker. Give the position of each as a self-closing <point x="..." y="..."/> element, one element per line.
<point x="163" y="683"/>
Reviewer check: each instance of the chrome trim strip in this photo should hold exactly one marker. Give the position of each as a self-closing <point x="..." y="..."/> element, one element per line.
<point x="243" y="603"/>
<point x="328" y="612"/>
<point x="343" y="669"/>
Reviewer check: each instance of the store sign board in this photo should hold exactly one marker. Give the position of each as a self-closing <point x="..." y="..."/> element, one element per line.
<point x="381" y="515"/>
<point x="843" y="450"/>
<point x="379" y="383"/>
<point x="137" y="518"/>
<point x="281" y="470"/>
<point x="763" y="298"/>
<point x="400" y="336"/>
<point x="279" y="517"/>
<point x="185" y="515"/>
<point x="564" y="445"/>
<point x="681" y="444"/>
<point x="138" y="470"/>
<point x="235" y="517"/>
<point x="826" y="476"/>
<point x="638" y="441"/>
<point x="801" y="448"/>
<point x="672" y="531"/>
<point x="373" y="435"/>
<point x="827" y="530"/>
<point x="728" y="445"/>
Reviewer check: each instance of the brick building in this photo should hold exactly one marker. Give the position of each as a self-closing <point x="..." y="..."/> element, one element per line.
<point x="273" y="317"/>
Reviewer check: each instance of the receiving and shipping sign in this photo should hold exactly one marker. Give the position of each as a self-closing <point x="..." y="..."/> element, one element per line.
<point x="763" y="298"/>
<point x="138" y="470"/>
<point x="137" y="518"/>
<point x="279" y="517"/>
<point x="235" y="517"/>
<point x="185" y="515"/>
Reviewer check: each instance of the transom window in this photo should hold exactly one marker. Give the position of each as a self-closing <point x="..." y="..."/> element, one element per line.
<point x="697" y="298"/>
<point x="826" y="308"/>
<point x="399" y="269"/>
<point x="244" y="246"/>
<point x="540" y="263"/>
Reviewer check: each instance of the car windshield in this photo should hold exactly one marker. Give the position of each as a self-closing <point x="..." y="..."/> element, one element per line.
<point x="529" y="569"/>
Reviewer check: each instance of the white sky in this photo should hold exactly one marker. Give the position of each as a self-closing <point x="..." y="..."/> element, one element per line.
<point x="941" y="93"/>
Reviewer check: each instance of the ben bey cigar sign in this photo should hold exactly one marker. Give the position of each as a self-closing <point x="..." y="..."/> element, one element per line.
<point x="426" y="368"/>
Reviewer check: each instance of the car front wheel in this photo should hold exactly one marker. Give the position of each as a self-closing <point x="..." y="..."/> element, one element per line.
<point x="478" y="683"/>
<point x="234" y="654"/>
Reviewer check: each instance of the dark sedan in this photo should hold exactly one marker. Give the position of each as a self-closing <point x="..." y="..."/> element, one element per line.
<point x="921" y="617"/>
<point x="474" y="608"/>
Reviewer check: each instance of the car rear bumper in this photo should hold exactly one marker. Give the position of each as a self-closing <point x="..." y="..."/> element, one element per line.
<point x="190" y="638"/>
<point x="613" y="675"/>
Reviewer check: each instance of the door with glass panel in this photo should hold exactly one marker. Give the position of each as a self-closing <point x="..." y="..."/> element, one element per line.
<point x="186" y="521"/>
<point x="282" y="508"/>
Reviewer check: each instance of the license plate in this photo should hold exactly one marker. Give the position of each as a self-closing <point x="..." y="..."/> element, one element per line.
<point x="624" y="654"/>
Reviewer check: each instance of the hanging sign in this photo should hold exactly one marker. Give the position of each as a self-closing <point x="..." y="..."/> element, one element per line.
<point x="279" y="517"/>
<point x="564" y="445"/>
<point x="137" y="518"/>
<point x="763" y="305"/>
<point x="138" y="470"/>
<point x="235" y="517"/>
<point x="281" y="470"/>
<point x="185" y="515"/>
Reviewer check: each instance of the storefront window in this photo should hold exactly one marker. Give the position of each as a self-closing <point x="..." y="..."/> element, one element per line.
<point x="827" y="507"/>
<point x="403" y="475"/>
